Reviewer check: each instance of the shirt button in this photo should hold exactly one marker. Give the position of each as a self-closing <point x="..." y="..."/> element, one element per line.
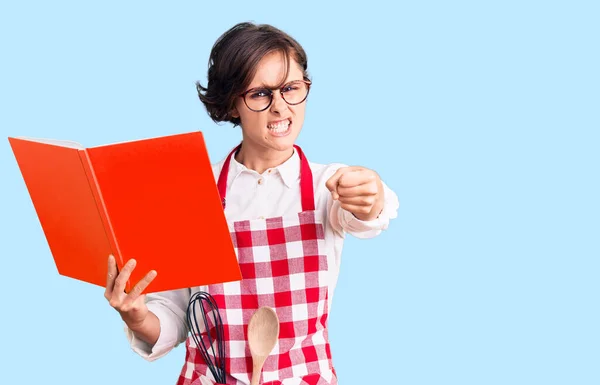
<point x="270" y="171"/>
<point x="261" y="217"/>
<point x="260" y="181"/>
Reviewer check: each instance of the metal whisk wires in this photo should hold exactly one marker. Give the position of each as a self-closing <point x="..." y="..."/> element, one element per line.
<point x="207" y="350"/>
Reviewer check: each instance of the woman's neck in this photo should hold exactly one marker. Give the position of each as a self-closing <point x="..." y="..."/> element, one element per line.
<point x="260" y="160"/>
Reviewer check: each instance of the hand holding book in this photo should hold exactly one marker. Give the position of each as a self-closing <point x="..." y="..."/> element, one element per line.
<point x="131" y="306"/>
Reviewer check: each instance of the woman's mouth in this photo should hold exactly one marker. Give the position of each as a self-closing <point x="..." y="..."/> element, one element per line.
<point x="280" y="127"/>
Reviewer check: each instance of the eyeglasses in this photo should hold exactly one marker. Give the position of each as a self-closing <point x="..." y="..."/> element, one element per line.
<point x="293" y="93"/>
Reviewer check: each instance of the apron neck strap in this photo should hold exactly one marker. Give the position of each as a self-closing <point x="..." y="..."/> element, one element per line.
<point x="306" y="180"/>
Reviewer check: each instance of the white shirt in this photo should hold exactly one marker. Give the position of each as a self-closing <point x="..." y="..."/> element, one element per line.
<point x="251" y="195"/>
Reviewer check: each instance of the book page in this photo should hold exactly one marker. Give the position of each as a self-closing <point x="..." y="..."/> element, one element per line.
<point x="139" y="140"/>
<point x="62" y="195"/>
<point x="55" y="142"/>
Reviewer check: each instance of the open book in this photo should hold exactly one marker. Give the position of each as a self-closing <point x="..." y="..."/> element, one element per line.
<point x="154" y="200"/>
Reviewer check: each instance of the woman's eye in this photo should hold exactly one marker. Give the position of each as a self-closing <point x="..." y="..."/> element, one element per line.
<point x="290" y="88"/>
<point x="259" y="94"/>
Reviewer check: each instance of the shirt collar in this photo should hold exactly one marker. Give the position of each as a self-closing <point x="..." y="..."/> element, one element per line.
<point x="288" y="170"/>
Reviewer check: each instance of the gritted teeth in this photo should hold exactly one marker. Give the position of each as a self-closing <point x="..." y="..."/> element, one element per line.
<point x="282" y="125"/>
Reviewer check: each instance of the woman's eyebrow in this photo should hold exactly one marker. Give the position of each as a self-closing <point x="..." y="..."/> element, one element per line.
<point x="258" y="87"/>
<point x="264" y="85"/>
<point x="273" y="87"/>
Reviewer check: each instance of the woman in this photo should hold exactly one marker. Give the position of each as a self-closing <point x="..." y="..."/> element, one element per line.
<point x="288" y="218"/>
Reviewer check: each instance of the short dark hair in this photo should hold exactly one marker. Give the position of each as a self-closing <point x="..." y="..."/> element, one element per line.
<point x="233" y="61"/>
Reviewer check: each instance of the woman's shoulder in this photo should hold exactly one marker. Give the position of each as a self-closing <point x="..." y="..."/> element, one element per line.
<point x="217" y="167"/>
<point x="320" y="171"/>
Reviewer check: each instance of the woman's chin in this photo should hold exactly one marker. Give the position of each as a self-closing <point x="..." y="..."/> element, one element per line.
<point x="282" y="142"/>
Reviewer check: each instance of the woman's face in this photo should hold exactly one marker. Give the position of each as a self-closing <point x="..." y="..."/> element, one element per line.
<point x="277" y="127"/>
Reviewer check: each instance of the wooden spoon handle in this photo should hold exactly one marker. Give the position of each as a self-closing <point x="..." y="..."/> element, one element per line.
<point x="257" y="365"/>
<point x="255" y="377"/>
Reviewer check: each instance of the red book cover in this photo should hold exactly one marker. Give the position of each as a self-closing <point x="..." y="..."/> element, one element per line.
<point x="154" y="200"/>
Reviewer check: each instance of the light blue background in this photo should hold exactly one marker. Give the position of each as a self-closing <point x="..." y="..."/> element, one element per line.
<point x="482" y="116"/>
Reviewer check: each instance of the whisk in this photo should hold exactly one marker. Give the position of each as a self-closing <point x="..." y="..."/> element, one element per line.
<point x="216" y="366"/>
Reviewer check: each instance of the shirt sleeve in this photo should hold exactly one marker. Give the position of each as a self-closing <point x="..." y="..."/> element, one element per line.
<point x="344" y="221"/>
<point x="170" y="308"/>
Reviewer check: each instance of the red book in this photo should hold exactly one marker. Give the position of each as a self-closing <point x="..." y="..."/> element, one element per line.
<point x="154" y="200"/>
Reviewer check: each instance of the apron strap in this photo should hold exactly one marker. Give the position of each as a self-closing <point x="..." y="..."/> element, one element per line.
<point x="306" y="180"/>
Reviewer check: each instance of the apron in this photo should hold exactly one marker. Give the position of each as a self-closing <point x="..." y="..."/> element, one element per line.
<point x="284" y="266"/>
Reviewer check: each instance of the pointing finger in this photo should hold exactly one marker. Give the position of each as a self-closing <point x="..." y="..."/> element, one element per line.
<point x="367" y="189"/>
<point x="332" y="182"/>
<point x="355" y="178"/>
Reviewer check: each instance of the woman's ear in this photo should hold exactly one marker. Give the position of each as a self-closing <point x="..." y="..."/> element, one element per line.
<point x="234" y="113"/>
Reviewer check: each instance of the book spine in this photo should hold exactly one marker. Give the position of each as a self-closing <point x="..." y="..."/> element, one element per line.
<point x="96" y="191"/>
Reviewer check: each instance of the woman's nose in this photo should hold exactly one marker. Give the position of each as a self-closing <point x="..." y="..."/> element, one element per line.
<point x="279" y="105"/>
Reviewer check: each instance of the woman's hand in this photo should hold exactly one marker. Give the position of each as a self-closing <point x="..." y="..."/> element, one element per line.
<point x="359" y="190"/>
<point x="131" y="306"/>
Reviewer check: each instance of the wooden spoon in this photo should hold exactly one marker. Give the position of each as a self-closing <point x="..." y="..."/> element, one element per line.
<point x="263" y="332"/>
